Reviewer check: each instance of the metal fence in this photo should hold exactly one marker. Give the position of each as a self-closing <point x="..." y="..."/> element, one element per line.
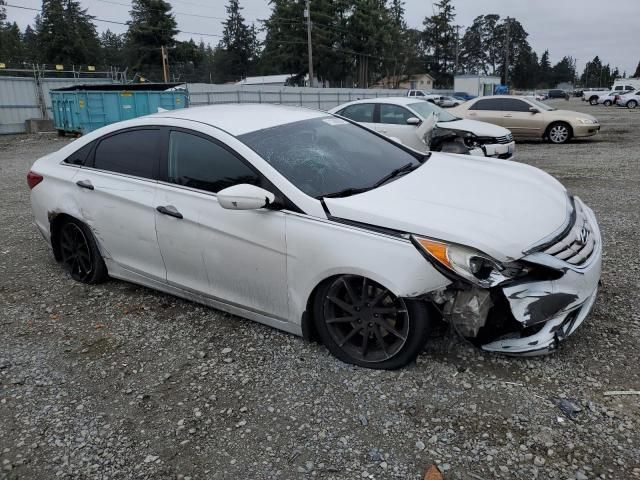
<point x="320" y="98"/>
<point x="22" y="98"/>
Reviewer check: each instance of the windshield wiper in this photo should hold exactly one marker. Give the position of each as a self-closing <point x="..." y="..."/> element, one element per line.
<point x="355" y="190"/>
<point x="345" y="193"/>
<point x="394" y="173"/>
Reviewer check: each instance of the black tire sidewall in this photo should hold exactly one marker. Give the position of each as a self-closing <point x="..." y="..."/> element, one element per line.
<point x="419" y="329"/>
<point x="632" y="102"/>
<point x="98" y="267"/>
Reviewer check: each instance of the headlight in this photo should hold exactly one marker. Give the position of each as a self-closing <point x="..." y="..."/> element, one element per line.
<point x="470" y="264"/>
<point x="586" y="121"/>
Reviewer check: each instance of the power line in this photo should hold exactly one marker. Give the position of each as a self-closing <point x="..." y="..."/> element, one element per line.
<point x="121" y="23"/>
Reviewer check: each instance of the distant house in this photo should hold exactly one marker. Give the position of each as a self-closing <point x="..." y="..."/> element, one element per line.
<point x="566" y="86"/>
<point x="420" y="81"/>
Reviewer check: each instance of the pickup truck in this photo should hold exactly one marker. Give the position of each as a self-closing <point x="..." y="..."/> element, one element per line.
<point x="422" y="95"/>
<point x="592" y="95"/>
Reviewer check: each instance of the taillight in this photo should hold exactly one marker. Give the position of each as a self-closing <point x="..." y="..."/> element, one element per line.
<point x="33" y="179"/>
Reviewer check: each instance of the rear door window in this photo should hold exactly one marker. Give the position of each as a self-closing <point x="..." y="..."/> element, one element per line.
<point x="492" y="104"/>
<point x="361" y="112"/>
<point x="514" y="105"/>
<point x="197" y="162"/>
<point x="133" y="152"/>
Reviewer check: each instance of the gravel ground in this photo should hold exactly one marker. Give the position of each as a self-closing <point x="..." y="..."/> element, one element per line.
<point x="118" y="381"/>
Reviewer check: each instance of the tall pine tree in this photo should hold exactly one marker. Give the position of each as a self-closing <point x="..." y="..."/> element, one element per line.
<point x="151" y="27"/>
<point x="66" y="34"/>
<point x="237" y="51"/>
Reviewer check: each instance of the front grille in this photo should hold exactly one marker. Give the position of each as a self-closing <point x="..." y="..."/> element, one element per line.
<point x="577" y="246"/>
<point x="506" y="139"/>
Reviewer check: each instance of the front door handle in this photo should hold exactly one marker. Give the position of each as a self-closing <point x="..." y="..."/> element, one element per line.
<point x="508" y="116"/>
<point x="84" y="184"/>
<point x="169" y="210"/>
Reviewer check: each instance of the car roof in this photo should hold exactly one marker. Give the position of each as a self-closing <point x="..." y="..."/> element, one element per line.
<point x="238" y="119"/>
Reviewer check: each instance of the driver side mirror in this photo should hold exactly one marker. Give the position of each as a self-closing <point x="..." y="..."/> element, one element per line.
<point x="245" y="197"/>
<point x="534" y="110"/>
<point x="413" y="121"/>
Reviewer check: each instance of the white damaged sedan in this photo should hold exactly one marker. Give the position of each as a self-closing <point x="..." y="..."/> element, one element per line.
<point x="317" y="226"/>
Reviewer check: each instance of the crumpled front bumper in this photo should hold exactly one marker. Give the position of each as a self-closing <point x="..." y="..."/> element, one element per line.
<point x="500" y="150"/>
<point x="552" y="309"/>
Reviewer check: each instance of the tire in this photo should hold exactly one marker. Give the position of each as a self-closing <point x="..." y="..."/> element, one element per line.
<point x="79" y="253"/>
<point x="348" y="307"/>
<point x="632" y="104"/>
<point x="607" y="103"/>
<point x="593" y="101"/>
<point x="559" y="132"/>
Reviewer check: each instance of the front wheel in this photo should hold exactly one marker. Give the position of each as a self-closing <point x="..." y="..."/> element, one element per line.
<point x="559" y="133"/>
<point x="632" y="104"/>
<point x="607" y="103"/>
<point x="79" y="253"/>
<point x="363" y="323"/>
<point x="593" y="100"/>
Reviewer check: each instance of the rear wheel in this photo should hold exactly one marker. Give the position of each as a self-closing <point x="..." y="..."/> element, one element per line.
<point x="363" y="323"/>
<point x="79" y="253"/>
<point x="559" y="132"/>
<point x="607" y="103"/>
<point x="632" y="104"/>
<point x="593" y="100"/>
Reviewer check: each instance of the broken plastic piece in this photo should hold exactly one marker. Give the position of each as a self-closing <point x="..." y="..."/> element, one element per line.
<point x="470" y="310"/>
<point x="569" y="408"/>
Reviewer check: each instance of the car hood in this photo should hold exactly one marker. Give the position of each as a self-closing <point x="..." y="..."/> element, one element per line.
<point x="481" y="129"/>
<point x="501" y="209"/>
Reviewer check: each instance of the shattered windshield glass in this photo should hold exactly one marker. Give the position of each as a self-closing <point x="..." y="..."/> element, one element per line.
<point x="326" y="155"/>
<point x="427" y="108"/>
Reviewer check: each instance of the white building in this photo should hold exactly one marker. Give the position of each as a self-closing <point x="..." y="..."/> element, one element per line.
<point x="278" y="80"/>
<point x="477" y="85"/>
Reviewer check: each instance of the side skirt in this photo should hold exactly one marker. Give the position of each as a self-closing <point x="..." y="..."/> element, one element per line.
<point x="116" y="271"/>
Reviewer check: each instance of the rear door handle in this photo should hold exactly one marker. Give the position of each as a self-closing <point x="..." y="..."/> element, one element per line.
<point x="508" y="116"/>
<point x="85" y="184"/>
<point x="169" y="210"/>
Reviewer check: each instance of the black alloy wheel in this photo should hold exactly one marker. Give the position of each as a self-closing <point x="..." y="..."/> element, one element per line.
<point x="363" y="323"/>
<point x="79" y="253"/>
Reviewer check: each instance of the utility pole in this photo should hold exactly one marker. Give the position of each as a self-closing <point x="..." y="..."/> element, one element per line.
<point x="307" y="14"/>
<point x="457" y="48"/>
<point x="165" y="64"/>
<point x="506" y="53"/>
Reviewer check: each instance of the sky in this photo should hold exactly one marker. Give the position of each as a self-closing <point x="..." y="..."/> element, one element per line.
<point x="580" y="28"/>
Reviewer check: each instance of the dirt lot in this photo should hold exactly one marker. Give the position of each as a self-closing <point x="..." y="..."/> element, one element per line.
<point x="117" y="381"/>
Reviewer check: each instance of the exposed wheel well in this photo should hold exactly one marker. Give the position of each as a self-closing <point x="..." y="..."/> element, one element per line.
<point x="309" y="331"/>
<point x="55" y="223"/>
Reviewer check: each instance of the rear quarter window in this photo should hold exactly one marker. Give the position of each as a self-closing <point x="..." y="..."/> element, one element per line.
<point x="80" y="156"/>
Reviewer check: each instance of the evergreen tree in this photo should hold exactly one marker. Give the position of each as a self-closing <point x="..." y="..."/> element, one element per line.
<point x="151" y="27"/>
<point x="30" y="44"/>
<point x="544" y="73"/>
<point x="440" y="41"/>
<point x="637" y="73"/>
<point x="563" y="71"/>
<point x="66" y="34"/>
<point x="237" y="54"/>
<point x="112" y="46"/>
